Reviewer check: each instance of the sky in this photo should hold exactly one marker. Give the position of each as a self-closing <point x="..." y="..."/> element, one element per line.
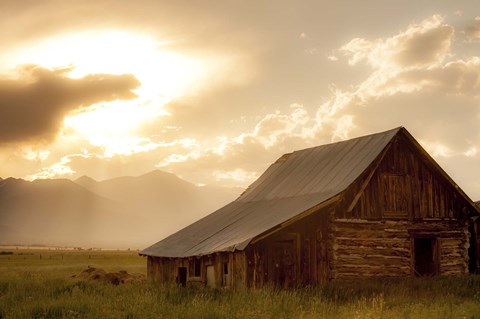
<point x="215" y="91"/>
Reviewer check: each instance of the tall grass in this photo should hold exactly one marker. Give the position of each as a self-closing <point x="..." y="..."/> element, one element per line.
<point x="40" y="289"/>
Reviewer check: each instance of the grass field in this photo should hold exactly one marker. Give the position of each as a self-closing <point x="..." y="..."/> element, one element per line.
<point x="38" y="284"/>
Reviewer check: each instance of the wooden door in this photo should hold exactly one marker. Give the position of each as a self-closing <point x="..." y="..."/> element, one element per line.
<point x="284" y="261"/>
<point x="211" y="277"/>
<point x="474" y="249"/>
<point x="321" y="255"/>
<point x="182" y="276"/>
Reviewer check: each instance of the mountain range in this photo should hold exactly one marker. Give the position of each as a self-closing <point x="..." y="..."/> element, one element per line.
<point x="124" y="212"/>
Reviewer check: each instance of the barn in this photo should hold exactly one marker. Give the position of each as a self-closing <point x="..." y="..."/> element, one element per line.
<point x="373" y="206"/>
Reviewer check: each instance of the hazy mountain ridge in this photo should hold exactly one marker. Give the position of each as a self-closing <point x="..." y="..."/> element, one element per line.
<point x="52" y="211"/>
<point x="120" y="212"/>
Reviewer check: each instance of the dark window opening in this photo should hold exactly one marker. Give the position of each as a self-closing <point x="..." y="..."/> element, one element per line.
<point x="426" y="256"/>
<point x="182" y="276"/>
<point x="195" y="268"/>
<point x="225" y="277"/>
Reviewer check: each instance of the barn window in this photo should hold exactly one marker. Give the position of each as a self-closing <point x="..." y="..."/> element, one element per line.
<point x="225" y="278"/>
<point x="195" y="268"/>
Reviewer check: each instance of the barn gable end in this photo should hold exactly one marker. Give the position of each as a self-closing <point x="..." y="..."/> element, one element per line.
<point x="403" y="208"/>
<point x="417" y="187"/>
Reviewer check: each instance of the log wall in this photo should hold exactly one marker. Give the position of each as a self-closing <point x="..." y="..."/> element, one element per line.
<point x="321" y="248"/>
<point x="363" y="248"/>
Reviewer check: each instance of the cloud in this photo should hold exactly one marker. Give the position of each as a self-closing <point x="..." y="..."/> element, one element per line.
<point x="461" y="77"/>
<point x="33" y="106"/>
<point x="234" y="161"/>
<point x="422" y="44"/>
<point x="413" y="83"/>
<point x="473" y="30"/>
<point x="416" y="84"/>
<point x="415" y="77"/>
<point x="60" y="168"/>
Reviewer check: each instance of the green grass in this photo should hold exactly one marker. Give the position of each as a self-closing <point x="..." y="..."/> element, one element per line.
<point x="31" y="287"/>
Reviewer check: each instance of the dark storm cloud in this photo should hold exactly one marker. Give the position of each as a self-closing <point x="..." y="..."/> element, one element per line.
<point x="33" y="107"/>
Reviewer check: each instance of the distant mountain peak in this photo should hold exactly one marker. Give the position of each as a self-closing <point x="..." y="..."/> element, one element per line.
<point x="14" y="180"/>
<point x="84" y="178"/>
<point x="85" y="181"/>
<point x="158" y="173"/>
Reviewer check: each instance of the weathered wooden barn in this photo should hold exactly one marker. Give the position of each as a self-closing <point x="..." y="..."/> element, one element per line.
<point x="373" y="206"/>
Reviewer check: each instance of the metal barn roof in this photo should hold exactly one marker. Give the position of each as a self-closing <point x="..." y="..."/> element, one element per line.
<point x="295" y="183"/>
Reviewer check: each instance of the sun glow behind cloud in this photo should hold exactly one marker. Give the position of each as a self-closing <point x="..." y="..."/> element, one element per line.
<point x="118" y="119"/>
<point x="164" y="75"/>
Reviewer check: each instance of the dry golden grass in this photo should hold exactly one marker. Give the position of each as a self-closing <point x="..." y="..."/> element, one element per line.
<point x="38" y="284"/>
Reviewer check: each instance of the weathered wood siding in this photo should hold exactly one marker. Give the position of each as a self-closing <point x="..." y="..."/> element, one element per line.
<point x="295" y="255"/>
<point x="403" y="185"/>
<point x="164" y="270"/>
<point x="229" y="270"/>
<point x="366" y="248"/>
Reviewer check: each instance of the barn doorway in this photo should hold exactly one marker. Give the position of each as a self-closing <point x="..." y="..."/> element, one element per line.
<point x="182" y="276"/>
<point x="426" y="256"/>
<point x="211" y="277"/>
<point x="474" y="249"/>
<point x="321" y="255"/>
<point x="284" y="259"/>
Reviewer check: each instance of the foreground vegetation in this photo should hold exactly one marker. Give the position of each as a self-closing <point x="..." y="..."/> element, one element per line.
<point x="38" y="284"/>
